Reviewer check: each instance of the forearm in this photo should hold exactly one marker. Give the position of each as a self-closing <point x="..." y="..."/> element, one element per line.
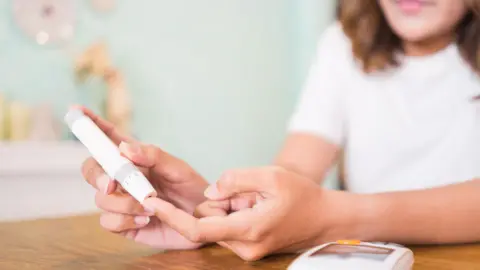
<point x="449" y="214"/>
<point x="308" y="155"/>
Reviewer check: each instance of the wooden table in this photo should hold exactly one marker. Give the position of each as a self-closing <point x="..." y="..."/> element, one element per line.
<point x="79" y="243"/>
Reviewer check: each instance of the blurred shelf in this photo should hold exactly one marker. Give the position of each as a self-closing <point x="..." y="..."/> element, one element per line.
<point x="43" y="179"/>
<point x="41" y="158"/>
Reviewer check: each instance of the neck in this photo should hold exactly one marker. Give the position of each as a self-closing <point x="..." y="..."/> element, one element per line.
<point x="427" y="46"/>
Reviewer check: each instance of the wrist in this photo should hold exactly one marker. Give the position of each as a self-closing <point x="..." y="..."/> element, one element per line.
<point x="346" y="215"/>
<point x="365" y="218"/>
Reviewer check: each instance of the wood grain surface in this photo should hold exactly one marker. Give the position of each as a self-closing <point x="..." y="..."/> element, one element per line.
<point x="79" y="243"/>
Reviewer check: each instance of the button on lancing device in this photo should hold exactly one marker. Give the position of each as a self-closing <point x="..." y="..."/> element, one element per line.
<point x="349" y="242"/>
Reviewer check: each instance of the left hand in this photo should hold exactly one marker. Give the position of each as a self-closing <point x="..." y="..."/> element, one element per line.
<point x="173" y="179"/>
<point x="288" y="213"/>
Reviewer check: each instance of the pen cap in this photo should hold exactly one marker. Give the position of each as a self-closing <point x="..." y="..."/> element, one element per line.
<point x="135" y="183"/>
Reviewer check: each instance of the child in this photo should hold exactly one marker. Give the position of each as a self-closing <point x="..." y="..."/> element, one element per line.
<point x="393" y="86"/>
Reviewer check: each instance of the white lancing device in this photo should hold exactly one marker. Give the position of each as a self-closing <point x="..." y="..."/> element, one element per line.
<point x="107" y="154"/>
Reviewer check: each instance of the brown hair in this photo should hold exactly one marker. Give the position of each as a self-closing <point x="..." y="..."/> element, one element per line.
<point x="375" y="45"/>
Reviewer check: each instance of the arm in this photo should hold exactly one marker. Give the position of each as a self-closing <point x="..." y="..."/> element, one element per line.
<point x="317" y="127"/>
<point x="449" y="214"/>
<point x="308" y="155"/>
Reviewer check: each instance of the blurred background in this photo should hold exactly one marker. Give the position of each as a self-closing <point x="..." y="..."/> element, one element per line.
<point x="212" y="82"/>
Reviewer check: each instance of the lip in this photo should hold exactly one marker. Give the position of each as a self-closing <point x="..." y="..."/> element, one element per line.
<point x="412" y="7"/>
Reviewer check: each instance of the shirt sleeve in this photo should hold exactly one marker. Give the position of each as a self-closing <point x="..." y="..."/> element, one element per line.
<point x="320" y="109"/>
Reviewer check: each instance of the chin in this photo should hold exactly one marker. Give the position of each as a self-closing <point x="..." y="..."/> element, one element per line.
<point x="413" y="37"/>
<point x="413" y="33"/>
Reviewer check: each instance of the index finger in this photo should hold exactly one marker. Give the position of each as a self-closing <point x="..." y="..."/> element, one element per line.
<point x="204" y="230"/>
<point x="108" y="128"/>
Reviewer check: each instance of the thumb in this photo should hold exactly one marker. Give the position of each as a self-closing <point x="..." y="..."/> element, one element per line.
<point x="243" y="181"/>
<point x="141" y="155"/>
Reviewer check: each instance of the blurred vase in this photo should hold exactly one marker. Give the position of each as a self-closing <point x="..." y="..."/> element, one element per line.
<point x="118" y="106"/>
<point x="19" y="121"/>
<point x="3" y="118"/>
<point x="43" y="124"/>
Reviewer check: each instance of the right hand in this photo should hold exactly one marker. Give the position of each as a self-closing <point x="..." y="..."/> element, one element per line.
<point x="173" y="179"/>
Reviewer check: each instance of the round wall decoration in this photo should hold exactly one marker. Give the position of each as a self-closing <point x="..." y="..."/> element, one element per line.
<point x="47" y="22"/>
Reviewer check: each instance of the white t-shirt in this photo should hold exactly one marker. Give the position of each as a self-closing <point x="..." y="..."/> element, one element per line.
<point x="412" y="127"/>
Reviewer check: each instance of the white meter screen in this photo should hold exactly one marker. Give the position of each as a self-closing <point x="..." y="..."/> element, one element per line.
<point x="354" y="251"/>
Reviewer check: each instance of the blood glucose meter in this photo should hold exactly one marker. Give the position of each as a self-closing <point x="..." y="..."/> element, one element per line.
<point x="352" y="254"/>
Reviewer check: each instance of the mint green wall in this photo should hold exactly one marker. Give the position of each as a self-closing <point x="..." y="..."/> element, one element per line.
<point x="211" y="81"/>
<point x="310" y="17"/>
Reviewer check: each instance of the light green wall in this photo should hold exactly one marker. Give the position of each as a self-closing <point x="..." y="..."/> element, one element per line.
<point x="212" y="80"/>
<point x="310" y="17"/>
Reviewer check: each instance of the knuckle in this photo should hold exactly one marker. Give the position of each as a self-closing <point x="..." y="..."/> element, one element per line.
<point x="104" y="221"/>
<point x="252" y="253"/>
<point x="91" y="170"/>
<point x="149" y="150"/>
<point x="201" y="211"/>
<point x="131" y="206"/>
<point x="176" y="175"/>
<point x="183" y="173"/>
<point x="276" y="172"/>
<point x="191" y="237"/>
<point x="276" y="179"/>
<point x="255" y="235"/>
<point x="112" y="223"/>
<point x="157" y="154"/>
<point x="117" y="226"/>
<point x="87" y="167"/>
<point x="212" y="208"/>
<point x="196" y="236"/>
<point x="99" y="200"/>
<point x="229" y="180"/>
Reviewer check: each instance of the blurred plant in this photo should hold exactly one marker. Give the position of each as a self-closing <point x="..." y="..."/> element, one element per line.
<point x="94" y="61"/>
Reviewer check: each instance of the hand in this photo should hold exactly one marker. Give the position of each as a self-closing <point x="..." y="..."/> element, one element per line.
<point x="174" y="180"/>
<point x="289" y="213"/>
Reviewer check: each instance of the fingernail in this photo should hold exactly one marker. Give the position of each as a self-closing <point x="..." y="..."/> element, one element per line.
<point x="212" y="192"/>
<point x="139" y="220"/>
<point x="132" y="148"/>
<point x="103" y="182"/>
